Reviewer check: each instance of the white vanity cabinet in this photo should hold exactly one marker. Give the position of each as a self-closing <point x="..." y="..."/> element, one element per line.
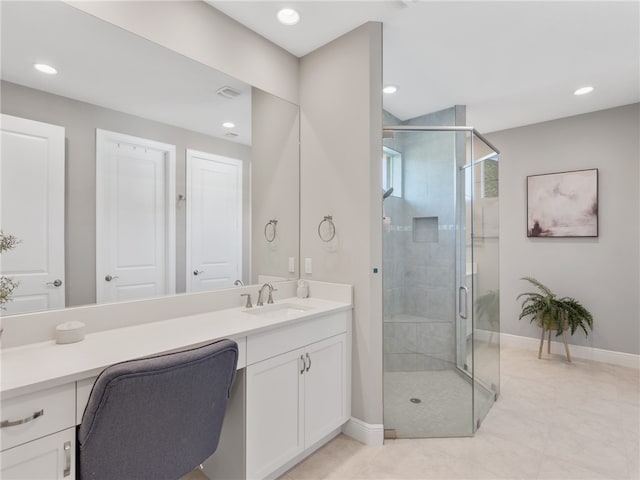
<point x="325" y="388"/>
<point x="38" y="435"/>
<point x="297" y="398"/>
<point x="47" y="458"/>
<point x="275" y="403"/>
<point x="292" y="395"/>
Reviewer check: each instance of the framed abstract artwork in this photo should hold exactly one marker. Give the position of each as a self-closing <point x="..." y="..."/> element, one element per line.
<point x="563" y="204"/>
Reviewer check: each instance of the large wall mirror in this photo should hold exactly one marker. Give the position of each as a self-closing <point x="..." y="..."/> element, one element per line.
<point x="134" y="171"/>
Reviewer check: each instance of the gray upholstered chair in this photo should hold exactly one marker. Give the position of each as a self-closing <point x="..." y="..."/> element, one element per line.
<point x="157" y="417"/>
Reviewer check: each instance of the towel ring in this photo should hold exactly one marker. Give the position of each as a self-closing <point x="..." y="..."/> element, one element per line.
<point x="270" y="233"/>
<point x="327" y="237"/>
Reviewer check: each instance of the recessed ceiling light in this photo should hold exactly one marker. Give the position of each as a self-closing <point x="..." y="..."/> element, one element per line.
<point x="583" y="91"/>
<point x="228" y="124"/>
<point x="390" y="89"/>
<point x="44" y="68"/>
<point x="288" y="16"/>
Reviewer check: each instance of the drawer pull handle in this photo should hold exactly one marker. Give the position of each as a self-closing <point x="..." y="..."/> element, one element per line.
<point x="308" y="366"/>
<point x="303" y="364"/>
<point x="13" y="423"/>
<point x="67" y="459"/>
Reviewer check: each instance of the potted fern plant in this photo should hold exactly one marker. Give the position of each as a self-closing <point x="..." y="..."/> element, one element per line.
<point x="554" y="314"/>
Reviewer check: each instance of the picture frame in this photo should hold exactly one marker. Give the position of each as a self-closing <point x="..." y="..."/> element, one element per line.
<point x="563" y="204"/>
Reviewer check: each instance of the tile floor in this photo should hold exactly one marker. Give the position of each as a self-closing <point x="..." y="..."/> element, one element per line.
<point x="553" y="421"/>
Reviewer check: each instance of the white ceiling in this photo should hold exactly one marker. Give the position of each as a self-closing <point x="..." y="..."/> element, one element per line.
<point x="511" y="63"/>
<point x="102" y="64"/>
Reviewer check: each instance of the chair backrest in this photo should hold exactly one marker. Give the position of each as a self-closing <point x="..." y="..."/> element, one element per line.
<point x="156" y="417"/>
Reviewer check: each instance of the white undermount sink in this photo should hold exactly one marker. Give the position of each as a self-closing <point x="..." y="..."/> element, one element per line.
<point x="278" y="310"/>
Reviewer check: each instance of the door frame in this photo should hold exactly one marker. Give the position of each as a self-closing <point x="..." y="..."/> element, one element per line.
<point x="169" y="151"/>
<point x="190" y="153"/>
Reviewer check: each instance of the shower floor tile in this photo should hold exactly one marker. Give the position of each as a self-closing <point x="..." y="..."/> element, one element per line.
<point x="444" y="408"/>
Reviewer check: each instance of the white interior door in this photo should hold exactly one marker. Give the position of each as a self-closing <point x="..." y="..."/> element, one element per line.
<point x="32" y="209"/>
<point x="135" y="217"/>
<point x="214" y="221"/>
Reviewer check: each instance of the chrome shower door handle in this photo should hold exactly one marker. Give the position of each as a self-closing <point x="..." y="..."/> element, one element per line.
<point x="461" y="297"/>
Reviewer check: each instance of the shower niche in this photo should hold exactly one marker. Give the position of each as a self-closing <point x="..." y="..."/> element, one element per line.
<point x="425" y="229"/>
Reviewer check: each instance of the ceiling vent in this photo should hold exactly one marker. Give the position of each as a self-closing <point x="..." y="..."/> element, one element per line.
<point x="228" y="92"/>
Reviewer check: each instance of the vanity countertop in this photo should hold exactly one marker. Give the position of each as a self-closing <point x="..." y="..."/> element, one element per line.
<point x="42" y="365"/>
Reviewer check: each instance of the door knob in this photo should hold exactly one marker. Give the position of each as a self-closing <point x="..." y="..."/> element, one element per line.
<point x="198" y="272"/>
<point x="56" y="283"/>
<point x="108" y="278"/>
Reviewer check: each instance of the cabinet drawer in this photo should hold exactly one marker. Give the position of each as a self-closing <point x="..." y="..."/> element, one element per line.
<point x="285" y="339"/>
<point x="44" y="412"/>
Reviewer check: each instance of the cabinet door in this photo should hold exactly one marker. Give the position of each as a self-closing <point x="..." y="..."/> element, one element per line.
<point x="325" y="387"/>
<point x="274" y="413"/>
<point x="47" y="458"/>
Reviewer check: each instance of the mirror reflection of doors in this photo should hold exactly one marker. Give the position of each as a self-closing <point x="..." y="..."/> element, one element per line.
<point x="135" y="217"/>
<point x="214" y="221"/>
<point x="179" y="107"/>
<point x="32" y="210"/>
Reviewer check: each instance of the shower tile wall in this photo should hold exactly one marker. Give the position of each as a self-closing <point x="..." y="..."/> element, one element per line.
<point x="419" y="269"/>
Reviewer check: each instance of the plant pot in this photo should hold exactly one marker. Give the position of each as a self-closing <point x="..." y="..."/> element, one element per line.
<point x="546" y="323"/>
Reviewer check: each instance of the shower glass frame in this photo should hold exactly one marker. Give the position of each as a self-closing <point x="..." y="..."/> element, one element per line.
<point x="479" y="331"/>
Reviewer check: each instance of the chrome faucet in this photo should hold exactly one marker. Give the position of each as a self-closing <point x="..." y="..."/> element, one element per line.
<point x="238" y="283"/>
<point x="260" y="301"/>
<point x="248" y="304"/>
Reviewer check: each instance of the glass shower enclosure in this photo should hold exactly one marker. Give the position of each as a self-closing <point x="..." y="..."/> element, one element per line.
<point x="441" y="278"/>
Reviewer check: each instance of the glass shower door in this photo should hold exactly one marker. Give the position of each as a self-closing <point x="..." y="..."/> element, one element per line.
<point x="483" y="247"/>
<point x="439" y="240"/>
<point x="426" y="394"/>
<point x="478" y="276"/>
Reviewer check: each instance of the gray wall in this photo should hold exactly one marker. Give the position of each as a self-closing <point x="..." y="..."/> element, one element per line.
<point x="341" y="141"/>
<point x="80" y="121"/>
<point x="199" y="31"/>
<point x="600" y="272"/>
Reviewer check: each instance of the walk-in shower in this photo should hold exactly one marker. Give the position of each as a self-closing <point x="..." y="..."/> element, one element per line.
<point x="440" y="266"/>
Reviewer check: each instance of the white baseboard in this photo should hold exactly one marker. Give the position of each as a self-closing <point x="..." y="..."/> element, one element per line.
<point x="484" y="335"/>
<point x="578" y="351"/>
<point x="367" y="433"/>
